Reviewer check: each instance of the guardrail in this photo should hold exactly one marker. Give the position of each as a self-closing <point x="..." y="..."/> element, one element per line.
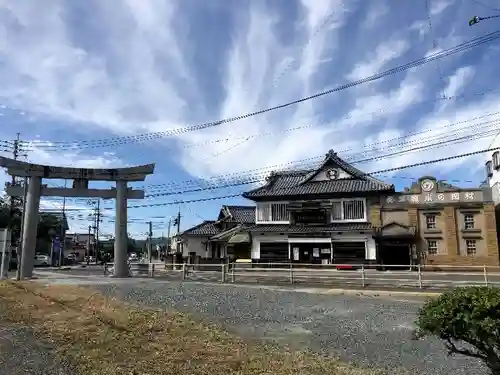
<point x="353" y="275"/>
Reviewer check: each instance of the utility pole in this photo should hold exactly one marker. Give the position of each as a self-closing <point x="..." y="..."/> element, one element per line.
<point x="150" y="241"/>
<point x="177" y="222"/>
<point x="169" y="242"/>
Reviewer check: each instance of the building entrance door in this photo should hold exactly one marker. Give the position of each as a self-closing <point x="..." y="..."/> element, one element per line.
<point x="395" y="254"/>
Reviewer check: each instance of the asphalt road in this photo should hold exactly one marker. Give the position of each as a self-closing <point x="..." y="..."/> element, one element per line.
<point x="370" y="332"/>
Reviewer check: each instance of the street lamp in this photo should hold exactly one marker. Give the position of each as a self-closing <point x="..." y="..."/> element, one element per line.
<point x="474" y="20"/>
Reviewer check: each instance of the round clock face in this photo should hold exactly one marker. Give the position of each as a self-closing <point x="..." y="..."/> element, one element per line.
<point x="332" y="174"/>
<point x="427" y="185"/>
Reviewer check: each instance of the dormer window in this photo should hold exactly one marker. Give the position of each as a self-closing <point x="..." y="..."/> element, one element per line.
<point x="489" y="169"/>
<point x="496" y="160"/>
<point x="272" y="213"/>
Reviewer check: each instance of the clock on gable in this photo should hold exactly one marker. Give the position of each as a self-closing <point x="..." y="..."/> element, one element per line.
<point x="427" y="185"/>
<point x="332" y="174"/>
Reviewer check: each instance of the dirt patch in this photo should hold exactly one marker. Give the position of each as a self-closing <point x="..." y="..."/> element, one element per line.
<point x="101" y="335"/>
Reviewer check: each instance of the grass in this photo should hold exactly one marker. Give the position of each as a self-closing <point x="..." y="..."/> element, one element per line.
<point x="100" y="335"/>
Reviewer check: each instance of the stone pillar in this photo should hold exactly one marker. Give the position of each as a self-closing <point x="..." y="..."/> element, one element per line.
<point x="121" y="236"/>
<point x="30" y="228"/>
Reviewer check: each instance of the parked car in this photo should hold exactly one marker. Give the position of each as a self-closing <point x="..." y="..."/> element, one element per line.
<point x="42" y="260"/>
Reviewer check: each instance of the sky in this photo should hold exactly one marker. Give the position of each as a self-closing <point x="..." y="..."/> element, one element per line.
<point x="88" y="71"/>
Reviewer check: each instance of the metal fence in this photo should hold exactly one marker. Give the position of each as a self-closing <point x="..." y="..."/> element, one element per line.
<point x="333" y="275"/>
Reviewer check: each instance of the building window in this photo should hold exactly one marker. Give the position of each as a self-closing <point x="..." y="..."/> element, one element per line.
<point x="272" y="212"/>
<point x="496" y="160"/>
<point x="349" y="210"/>
<point x="489" y="169"/>
<point x="432" y="247"/>
<point x="430" y="221"/>
<point x="469" y="221"/>
<point x="470" y="245"/>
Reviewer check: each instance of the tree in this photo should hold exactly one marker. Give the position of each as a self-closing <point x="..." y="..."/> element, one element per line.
<point x="48" y="225"/>
<point x="469" y="316"/>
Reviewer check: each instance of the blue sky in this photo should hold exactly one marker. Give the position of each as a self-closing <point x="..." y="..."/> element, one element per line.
<point x="90" y="69"/>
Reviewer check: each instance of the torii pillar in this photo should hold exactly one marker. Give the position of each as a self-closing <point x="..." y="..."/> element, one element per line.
<point x="81" y="178"/>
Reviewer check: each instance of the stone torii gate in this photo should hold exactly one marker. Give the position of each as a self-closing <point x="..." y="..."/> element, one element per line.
<point x="80" y="188"/>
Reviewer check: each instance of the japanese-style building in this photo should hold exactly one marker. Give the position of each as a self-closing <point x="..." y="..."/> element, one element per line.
<point x="339" y="214"/>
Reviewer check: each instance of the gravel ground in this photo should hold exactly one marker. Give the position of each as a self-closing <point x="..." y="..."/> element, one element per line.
<point x="367" y="331"/>
<point x="22" y="353"/>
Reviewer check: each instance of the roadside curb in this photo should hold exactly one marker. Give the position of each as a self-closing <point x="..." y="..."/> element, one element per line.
<point x="375" y="293"/>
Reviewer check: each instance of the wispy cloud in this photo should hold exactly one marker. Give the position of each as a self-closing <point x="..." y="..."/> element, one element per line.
<point x="99" y="68"/>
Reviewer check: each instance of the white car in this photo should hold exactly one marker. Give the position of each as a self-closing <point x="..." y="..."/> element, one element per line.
<point x="42" y="260"/>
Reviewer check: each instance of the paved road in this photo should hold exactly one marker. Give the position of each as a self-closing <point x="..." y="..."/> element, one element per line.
<point x="353" y="279"/>
<point x="367" y="331"/>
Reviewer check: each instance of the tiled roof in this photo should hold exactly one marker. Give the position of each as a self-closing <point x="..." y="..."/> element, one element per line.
<point x="296" y="183"/>
<point x="242" y="214"/>
<point x="206" y="228"/>
<point x="286" y="228"/>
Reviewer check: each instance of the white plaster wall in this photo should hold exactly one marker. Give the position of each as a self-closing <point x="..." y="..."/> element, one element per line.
<point x="194" y="244"/>
<point x="495" y="179"/>
<point x="321" y="176"/>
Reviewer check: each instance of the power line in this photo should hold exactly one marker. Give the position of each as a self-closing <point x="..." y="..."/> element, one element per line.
<point x="448" y="158"/>
<point x="484" y="5"/>
<point x="435" y="46"/>
<point x="259" y="179"/>
<point x="54" y="147"/>
<point x="366" y="174"/>
<point x="427" y="59"/>
<point x="295" y="163"/>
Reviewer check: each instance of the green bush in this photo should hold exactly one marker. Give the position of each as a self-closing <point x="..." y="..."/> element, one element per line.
<point x="469" y="316"/>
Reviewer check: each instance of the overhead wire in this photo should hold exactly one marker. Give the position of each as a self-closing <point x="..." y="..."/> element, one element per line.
<point x="435" y="46"/>
<point x="296" y="163"/>
<point x="387" y="110"/>
<point x="371" y="159"/>
<point x="388" y="170"/>
<point x="427" y="59"/>
<point x="367" y="174"/>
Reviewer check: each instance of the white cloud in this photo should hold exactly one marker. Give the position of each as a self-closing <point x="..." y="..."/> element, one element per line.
<point x="438" y="6"/>
<point x="384" y="53"/>
<point x="458" y="81"/>
<point x="377" y="11"/>
<point x="137" y="69"/>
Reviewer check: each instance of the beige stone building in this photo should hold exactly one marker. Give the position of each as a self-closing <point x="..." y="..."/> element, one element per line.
<point x="440" y="224"/>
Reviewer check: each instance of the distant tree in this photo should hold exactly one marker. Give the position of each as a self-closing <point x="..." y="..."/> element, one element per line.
<point x="468" y="322"/>
<point x="48" y="225"/>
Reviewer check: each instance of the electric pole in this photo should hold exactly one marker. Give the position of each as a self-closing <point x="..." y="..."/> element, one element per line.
<point x="150" y="241"/>
<point x="177" y="222"/>
<point x="169" y="243"/>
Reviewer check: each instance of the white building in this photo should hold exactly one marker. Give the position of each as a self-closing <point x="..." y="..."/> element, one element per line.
<point x="493" y="170"/>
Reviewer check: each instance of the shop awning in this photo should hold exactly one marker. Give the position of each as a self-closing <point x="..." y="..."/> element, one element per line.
<point x="239" y="238"/>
